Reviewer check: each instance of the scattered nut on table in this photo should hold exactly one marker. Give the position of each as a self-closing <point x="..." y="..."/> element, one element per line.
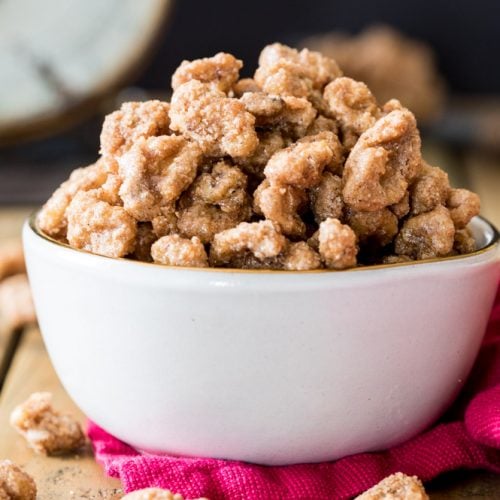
<point x="398" y="486"/>
<point x="46" y="430"/>
<point x="16" y="304"/>
<point x="154" y="494"/>
<point x="15" y="484"/>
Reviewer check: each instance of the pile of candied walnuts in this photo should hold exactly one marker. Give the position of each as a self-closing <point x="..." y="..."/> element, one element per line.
<point x="297" y="168"/>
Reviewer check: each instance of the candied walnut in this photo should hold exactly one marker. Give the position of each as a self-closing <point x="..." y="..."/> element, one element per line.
<point x="286" y="71"/>
<point x="382" y="163"/>
<point x="16" y="304"/>
<point x="322" y="124"/>
<point x="427" y="235"/>
<point x="300" y="257"/>
<point x="396" y="259"/>
<point x="291" y="115"/>
<point x="225" y="187"/>
<point x="269" y="143"/>
<point x="205" y="221"/>
<point x="429" y="189"/>
<point x="262" y="239"/>
<point x="52" y="217"/>
<point x="326" y="198"/>
<point x="401" y="208"/>
<point x="464" y="241"/>
<point x="166" y="222"/>
<point x="172" y="250"/>
<point x="219" y="124"/>
<point x="336" y="164"/>
<point x="99" y="227"/>
<point x="352" y="104"/>
<point x="463" y="205"/>
<point x="133" y="121"/>
<point x="374" y="229"/>
<point x="397" y="486"/>
<point x="337" y="244"/>
<point x="15" y="484"/>
<point x="144" y="239"/>
<point x="220" y="71"/>
<point x="300" y="165"/>
<point x="281" y="204"/>
<point x="11" y="258"/>
<point x="46" y="430"/>
<point x="155" y="172"/>
<point x="245" y="85"/>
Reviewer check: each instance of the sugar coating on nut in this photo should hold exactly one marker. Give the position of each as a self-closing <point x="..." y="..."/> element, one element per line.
<point x="352" y="104"/>
<point x="11" y="258"/>
<point x="219" y="124"/>
<point x="155" y="172"/>
<point x="335" y="165"/>
<point x="281" y="205"/>
<point x="133" y="121"/>
<point x="224" y="186"/>
<point x="15" y="484"/>
<point x="397" y="486"/>
<point x="261" y="239"/>
<point x="283" y="70"/>
<point x="337" y="244"/>
<point x="300" y="165"/>
<point x="429" y="189"/>
<point x="463" y="205"/>
<point x="220" y="71"/>
<point x="205" y="221"/>
<point x="427" y="235"/>
<point x="52" y="217"/>
<point x="383" y="162"/>
<point x="173" y="250"/>
<point x="300" y="256"/>
<point x="97" y="226"/>
<point x="46" y="430"/>
<point x="291" y="115"/>
<point x="16" y="303"/>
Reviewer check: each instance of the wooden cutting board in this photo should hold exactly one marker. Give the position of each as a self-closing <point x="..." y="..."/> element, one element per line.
<point x="58" y="58"/>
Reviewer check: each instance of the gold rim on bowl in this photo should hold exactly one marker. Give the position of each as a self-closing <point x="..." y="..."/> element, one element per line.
<point x="32" y="221"/>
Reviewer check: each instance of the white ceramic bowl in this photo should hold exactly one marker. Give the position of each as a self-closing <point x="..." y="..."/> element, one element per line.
<point x="267" y="367"/>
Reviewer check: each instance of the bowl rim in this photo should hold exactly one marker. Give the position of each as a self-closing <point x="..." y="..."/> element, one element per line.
<point x="32" y="223"/>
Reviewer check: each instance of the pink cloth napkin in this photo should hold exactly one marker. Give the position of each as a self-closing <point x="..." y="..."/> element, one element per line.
<point x="468" y="436"/>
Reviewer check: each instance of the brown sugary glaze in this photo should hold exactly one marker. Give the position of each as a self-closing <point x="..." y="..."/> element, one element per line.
<point x="297" y="168"/>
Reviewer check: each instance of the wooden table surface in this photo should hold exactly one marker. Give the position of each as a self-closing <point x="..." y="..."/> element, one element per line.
<point x="80" y="476"/>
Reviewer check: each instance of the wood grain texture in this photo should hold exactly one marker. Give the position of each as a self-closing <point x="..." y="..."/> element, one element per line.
<point x="75" y="476"/>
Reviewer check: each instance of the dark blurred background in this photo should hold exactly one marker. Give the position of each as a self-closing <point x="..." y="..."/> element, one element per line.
<point x="464" y="34"/>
